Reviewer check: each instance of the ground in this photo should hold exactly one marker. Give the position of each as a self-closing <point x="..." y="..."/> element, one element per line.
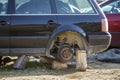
<point x="37" y="71"/>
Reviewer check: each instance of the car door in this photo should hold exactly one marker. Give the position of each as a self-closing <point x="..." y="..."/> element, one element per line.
<point x="112" y="12"/>
<point x="31" y="24"/>
<point x="4" y="28"/>
<point x="69" y="12"/>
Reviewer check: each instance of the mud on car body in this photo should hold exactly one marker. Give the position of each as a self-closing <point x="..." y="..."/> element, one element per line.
<point x="52" y="27"/>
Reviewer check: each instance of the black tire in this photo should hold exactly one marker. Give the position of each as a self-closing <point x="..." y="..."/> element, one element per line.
<point x="63" y="50"/>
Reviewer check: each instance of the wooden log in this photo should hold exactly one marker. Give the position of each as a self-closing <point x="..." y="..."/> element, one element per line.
<point x="46" y="60"/>
<point x="59" y="65"/>
<point x="21" y="62"/>
<point x="55" y="63"/>
<point x="81" y="60"/>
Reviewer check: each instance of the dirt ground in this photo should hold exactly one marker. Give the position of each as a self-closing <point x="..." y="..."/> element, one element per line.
<point x="97" y="71"/>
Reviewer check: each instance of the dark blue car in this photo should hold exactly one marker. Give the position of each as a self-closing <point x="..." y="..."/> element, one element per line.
<point x="52" y="27"/>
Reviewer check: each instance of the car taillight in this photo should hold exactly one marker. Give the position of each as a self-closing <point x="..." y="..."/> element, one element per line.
<point x="104" y="25"/>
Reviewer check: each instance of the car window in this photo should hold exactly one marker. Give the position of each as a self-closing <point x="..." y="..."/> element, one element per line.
<point x="112" y="8"/>
<point x="74" y="7"/>
<point x="33" y="7"/>
<point x="3" y="6"/>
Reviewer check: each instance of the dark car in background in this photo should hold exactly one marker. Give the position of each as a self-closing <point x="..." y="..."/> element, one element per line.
<point x="111" y="9"/>
<point x="52" y="27"/>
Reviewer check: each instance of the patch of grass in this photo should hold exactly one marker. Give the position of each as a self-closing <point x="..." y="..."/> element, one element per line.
<point x="6" y="70"/>
<point x="36" y="66"/>
<point x="5" y="67"/>
<point x="33" y="68"/>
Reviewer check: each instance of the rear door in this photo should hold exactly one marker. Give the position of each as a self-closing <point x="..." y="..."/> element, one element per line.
<point x="4" y="27"/>
<point x="31" y="24"/>
<point x="73" y="12"/>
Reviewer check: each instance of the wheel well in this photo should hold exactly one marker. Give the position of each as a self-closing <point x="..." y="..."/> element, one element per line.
<point x="71" y="38"/>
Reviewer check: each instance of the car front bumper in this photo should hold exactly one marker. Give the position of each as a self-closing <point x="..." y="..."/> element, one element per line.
<point x="98" y="42"/>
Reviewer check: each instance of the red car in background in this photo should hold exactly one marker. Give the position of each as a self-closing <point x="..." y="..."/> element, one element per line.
<point x="111" y="9"/>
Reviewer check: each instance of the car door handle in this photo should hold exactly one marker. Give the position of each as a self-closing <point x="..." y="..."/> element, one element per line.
<point x="51" y="22"/>
<point x="3" y="23"/>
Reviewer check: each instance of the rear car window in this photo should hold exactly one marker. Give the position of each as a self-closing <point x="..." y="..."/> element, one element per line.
<point x="3" y="6"/>
<point x="74" y="7"/>
<point x="33" y="7"/>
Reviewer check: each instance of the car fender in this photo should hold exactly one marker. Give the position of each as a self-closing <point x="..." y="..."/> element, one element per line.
<point x="64" y="28"/>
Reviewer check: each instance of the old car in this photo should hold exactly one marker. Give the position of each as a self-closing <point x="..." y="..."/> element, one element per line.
<point x="112" y="11"/>
<point x="52" y="27"/>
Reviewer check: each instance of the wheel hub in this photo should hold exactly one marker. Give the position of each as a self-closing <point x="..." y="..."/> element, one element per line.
<point x="66" y="53"/>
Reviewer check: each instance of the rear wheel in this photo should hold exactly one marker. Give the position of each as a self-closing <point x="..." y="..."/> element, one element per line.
<point x="65" y="44"/>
